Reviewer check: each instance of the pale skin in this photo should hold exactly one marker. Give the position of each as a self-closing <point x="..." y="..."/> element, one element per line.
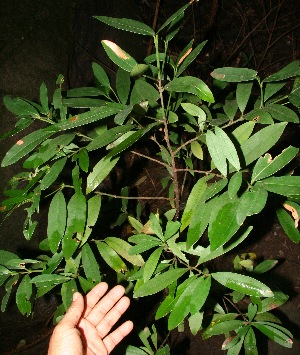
<point x="85" y="328"/>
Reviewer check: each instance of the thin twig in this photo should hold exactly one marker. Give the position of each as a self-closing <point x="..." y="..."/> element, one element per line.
<point x="149" y="158"/>
<point x="150" y="45"/>
<point x="185" y="144"/>
<point x="135" y="198"/>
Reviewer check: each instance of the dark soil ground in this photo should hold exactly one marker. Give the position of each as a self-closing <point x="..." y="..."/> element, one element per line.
<point x="39" y="40"/>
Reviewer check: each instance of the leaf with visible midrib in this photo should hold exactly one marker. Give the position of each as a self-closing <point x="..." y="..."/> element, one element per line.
<point x="159" y="282"/>
<point x="127" y="25"/>
<point x="242" y="283"/>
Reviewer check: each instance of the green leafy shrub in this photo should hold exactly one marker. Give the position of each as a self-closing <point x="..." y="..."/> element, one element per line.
<point x="214" y="148"/>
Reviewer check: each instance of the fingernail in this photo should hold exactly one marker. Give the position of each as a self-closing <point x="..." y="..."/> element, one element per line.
<point x="75" y="296"/>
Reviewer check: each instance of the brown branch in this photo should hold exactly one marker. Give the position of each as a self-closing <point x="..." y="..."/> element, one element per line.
<point x="150" y="45"/>
<point x="149" y="158"/>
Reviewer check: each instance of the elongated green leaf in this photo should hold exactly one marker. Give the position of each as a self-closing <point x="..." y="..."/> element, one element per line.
<point x="159" y="282"/>
<point x="84" y="102"/>
<point x="272" y="88"/>
<point x="111" y="257"/>
<point x="171" y="229"/>
<point x="93" y="210"/>
<point x="292" y="69"/>
<point x="228" y="148"/>
<point x="122" y="248"/>
<point x="135" y="224"/>
<point x="139" y="69"/>
<point x="131" y="140"/>
<point x="226" y="217"/>
<point x="230" y="109"/>
<point x="234" y="75"/>
<point x="194" y="110"/>
<point x="175" y="249"/>
<point x="267" y="166"/>
<point x="282" y="113"/>
<point x="26" y="145"/>
<point x="195" y="322"/>
<point x="90" y="265"/>
<point x="20" y="125"/>
<point x="191" y="85"/>
<point x="214" y="189"/>
<point x="251" y="202"/>
<point x="119" y="56"/>
<point x="100" y="75"/>
<point x="53" y="173"/>
<point x="23" y="295"/>
<point x="123" y="85"/>
<point x="265" y="266"/>
<point x="173" y="17"/>
<point x="193" y="200"/>
<point x="190" y="58"/>
<point x="216" y="152"/>
<point x="151" y="264"/>
<point x="84" y="92"/>
<point x="288" y="225"/>
<point x="143" y="91"/>
<point x="198" y="223"/>
<point x="107" y="137"/>
<point x="243" y="132"/>
<point x="243" y="92"/>
<point x="144" y="246"/>
<point x="223" y="327"/>
<point x="185" y="52"/>
<point x="57" y="220"/>
<point x="49" y="280"/>
<point x="76" y="221"/>
<point x="67" y="291"/>
<point x="86" y="118"/>
<point x="155" y="226"/>
<point x="44" y="97"/>
<point x="282" y="185"/>
<point x="260" y="115"/>
<point x="122" y="115"/>
<point x="250" y="343"/>
<point x="242" y="283"/>
<point x="200" y="294"/>
<point x="6" y="256"/>
<point x="20" y="107"/>
<point x="235" y="184"/>
<point x="270" y="303"/>
<point x="276" y="334"/>
<point x="53" y="263"/>
<point x="182" y="304"/>
<point x="261" y="142"/>
<point x="127" y="25"/>
<point x="99" y="173"/>
<point x="294" y="96"/>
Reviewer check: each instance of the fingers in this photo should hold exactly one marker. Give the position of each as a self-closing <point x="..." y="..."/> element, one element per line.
<point x="74" y="313"/>
<point x="93" y="297"/>
<point x="117" y="335"/>
<point x="112" y="316"/>
<point x="100" y="310"/>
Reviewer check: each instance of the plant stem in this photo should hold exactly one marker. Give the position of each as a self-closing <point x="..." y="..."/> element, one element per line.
<point x="135" y="198"/>
<point x="149" y="158"/>
<point x="173" y="161"/>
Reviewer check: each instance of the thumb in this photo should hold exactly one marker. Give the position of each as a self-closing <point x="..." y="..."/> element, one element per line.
<point x="75" y="311"/>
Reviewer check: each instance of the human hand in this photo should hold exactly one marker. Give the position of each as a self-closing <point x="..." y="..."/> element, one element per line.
<point x="86" y="325"/>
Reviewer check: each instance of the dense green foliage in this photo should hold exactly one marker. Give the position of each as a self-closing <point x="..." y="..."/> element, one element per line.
<point x="218" y="138"/>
